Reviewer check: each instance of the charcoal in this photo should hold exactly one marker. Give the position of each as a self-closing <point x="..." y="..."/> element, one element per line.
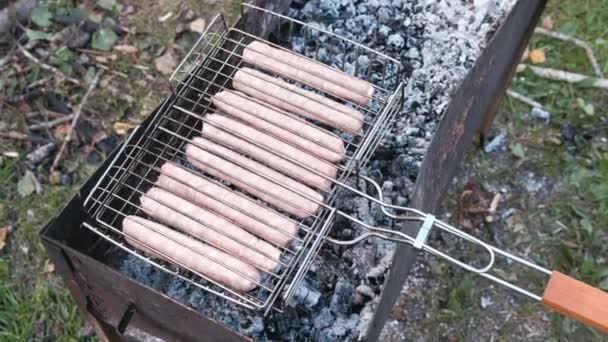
<point x="324" y="319"/>
<point x="306" y="296"/>
<point x="343" y="297"/>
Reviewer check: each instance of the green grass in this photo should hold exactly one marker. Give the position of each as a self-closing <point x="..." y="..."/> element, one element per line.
<point x="34" y="305"/>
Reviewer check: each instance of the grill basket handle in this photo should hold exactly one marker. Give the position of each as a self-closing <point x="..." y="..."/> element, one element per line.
<point x="577" y="300"/>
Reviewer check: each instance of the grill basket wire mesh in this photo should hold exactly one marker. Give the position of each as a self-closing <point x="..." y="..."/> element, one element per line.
<point x="207" y="70"/>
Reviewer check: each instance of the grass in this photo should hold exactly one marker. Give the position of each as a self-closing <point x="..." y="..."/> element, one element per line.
<point x="34" y="304"/>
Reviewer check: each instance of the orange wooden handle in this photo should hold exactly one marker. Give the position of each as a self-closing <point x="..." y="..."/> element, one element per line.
<point x="578" y="300"/>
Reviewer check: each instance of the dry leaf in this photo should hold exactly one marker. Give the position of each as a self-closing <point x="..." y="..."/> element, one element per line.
<point x="547" y="22"/>
<point x="28" y="184"/>
<point x="537" y="56"/>
<point x="198" y="25"/>
<point x="122" y="128"/>
<point x="125" y="48"/>
<point x="166" y="63"/>
<point x="49" y="267"/>
<point x="3" y="233"/>
<point x="61" y="131"/>
<point x="55" y="178"/>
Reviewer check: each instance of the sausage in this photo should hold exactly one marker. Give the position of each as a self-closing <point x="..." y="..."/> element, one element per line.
<point x="217" y="129"/>
<point x="312" y="73"/>
<point x="247" y="178"/>
<point x="298" y="101"/>
<point x="312" y="96"/>
<point x="255" y="218"/>
<point x="309" y="138"/>
<point x="178" y="248"/>
<point x="207" y="226"/>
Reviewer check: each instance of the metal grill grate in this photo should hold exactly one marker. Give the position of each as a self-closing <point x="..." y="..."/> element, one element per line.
<point x="207" y="70"/>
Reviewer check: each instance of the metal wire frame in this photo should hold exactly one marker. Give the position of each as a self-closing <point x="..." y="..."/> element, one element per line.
<point x="131" y="173"/>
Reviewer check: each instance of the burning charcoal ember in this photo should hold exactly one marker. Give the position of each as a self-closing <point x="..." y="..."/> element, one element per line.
<point x="324" y="319"/>
<point x="342" y="299"/>
<point x="253" y="327"/>
<point x="144" y="272"/>
<point x="306" y="296"/>
<point x="177" y="289"/>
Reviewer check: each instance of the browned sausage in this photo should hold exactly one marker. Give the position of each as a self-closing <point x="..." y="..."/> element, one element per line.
<point x="257" y="219"/>
<point x="174" y="247"/>
<point x="210" y="228"/>
<point x="299" y="101"/>
<point x="309" y="72"/>
<point x="247" y="177"/>
<point x="281" y="125"/>
<point x="218" y="126"/>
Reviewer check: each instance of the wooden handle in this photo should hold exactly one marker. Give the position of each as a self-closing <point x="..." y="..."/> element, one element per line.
<point x="578" y="300"/>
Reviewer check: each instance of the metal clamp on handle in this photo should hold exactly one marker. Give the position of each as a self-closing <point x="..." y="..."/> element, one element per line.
<point x="425" y="230"/>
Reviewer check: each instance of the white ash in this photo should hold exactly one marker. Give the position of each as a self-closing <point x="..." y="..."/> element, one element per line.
<point x="437" y="42"/>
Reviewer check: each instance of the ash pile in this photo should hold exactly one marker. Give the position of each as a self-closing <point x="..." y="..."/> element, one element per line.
<point x="437" y="42"/>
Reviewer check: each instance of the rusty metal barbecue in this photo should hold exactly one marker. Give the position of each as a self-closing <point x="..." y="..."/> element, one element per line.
<point x="208" y="69"/>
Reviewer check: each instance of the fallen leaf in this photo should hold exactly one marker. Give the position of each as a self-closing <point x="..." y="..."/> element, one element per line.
<point x="570" y="244"/>
<point x="33" y="35"/>
<point x="49" y="267"/>
<point x="198" y="25"/>
<point x="537" y="56"/>
<point x="110" y="5"/>
<point x="125" y="48"/>
<point x="104" y="39"/>
<point x="166" y="63"/>
<point x="517" y="150"/>
<point x="587" y="107"/>
<point x="547" y="22"/>
<point x="60" y="131"/>
<point x="55" y="178"/>
<point x="122" y="128"/>
<point x="3" y="233"/>
<point x="28" y="184"/>
<point x="41" y="16"/>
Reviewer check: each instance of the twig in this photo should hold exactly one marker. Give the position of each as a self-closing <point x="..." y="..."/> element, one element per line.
<point x="578" y="42"/>
<point x="77" y="114"/>
<point x="23" y="137"/>
<point x="39" y="154"/>
<point x="114" y="72"/>
<point x="14" y="135"/>
<point x="45" y="66"/>
<point x="565" y="76"/>
<point x="52" y="123"/>
<point x="523" y="98"/>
